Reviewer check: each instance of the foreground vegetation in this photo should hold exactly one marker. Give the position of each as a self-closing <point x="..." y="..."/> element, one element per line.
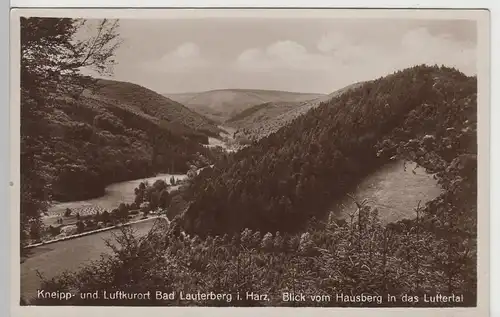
<point x="355" y="257"/>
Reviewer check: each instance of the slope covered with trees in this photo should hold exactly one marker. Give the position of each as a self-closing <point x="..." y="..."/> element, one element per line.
<point x="261" y="120"/>
<point x="290" y="176"/>
<point x="95" y="141"/>
<point x="137" y="98"/>
<point x="257" y="111"/>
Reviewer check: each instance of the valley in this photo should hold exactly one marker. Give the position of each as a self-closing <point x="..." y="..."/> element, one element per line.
<point x="346" y="161"/>
<point x="269" y="171"/>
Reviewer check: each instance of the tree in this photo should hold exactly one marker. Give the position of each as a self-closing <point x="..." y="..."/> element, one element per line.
<point x="52" y="60"/>
<point x="35" y="229"/>
<point x="154" y="198"/>
<point x="54" y="231"/>
<point x="192" y="172"/>
<point x="159" y="185"/>
<point x="88" y="223"/>
<point x="105" y="217"/>
<point x="122" y="212"/>
<point x="80" y="226"/>
<point x="67" y="213"/>
<point x="53" y="55"/>
<point x="164" y="199"/>
<point x="145" y="208"/>
<point x="139" y="193"/>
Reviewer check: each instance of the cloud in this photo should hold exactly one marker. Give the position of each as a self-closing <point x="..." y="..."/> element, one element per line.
<point x="186" y="57"/>
<point x="286" y="49"/>
<point x="332" y="41"/>
<point x="420" y="46"/>
<point x="281" y="55"/>
<point x="336" y="53"/>
<point x="186" y="50"/>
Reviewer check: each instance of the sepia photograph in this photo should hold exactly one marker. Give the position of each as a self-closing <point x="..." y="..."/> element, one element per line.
<point x="259" y="158"/>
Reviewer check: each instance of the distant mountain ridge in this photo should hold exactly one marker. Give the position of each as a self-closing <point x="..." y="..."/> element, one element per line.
<point x="221" y="104"/>
<point x="263" y="119"/>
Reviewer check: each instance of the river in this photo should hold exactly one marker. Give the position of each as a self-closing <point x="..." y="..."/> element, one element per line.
<point x="394" y="191"/>
<point x="114" y="195"/>
<point x="55" y="258"/>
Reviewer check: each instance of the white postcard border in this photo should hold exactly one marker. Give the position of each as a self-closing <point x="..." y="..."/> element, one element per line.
<point x="483" y="60"/>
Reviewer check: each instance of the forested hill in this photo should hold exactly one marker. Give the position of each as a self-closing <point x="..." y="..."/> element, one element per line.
<point x="136" y="98"/>
<point x="117" y="132"/>
<point x="289" y="176"/>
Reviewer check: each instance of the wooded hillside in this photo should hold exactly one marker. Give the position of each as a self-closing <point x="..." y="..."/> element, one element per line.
<point x="282" y="180"/>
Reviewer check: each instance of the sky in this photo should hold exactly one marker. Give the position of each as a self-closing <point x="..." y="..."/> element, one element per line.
<point x="306" y="55"/>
